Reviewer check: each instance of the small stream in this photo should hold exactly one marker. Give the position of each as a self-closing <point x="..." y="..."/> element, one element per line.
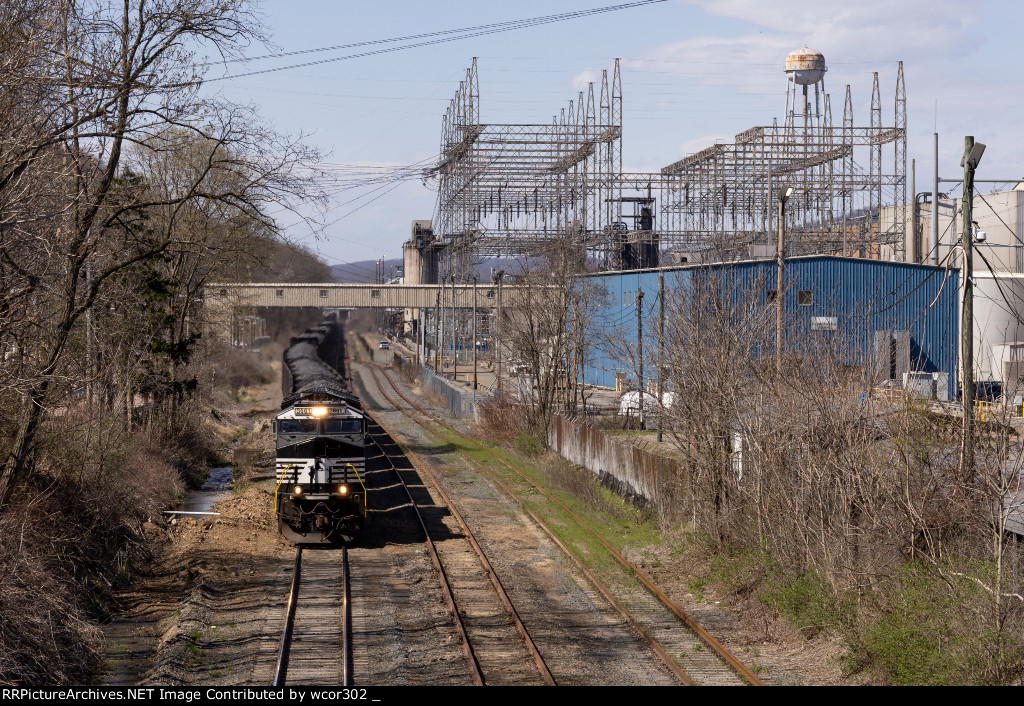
<point x="216" y="487"/>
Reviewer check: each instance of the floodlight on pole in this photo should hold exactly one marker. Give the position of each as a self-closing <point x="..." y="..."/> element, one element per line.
<point x="784" y="193"/>
<point x="972" y="158"/>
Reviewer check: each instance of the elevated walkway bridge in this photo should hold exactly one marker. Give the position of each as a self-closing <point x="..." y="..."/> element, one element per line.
<point x="350" y="296"/>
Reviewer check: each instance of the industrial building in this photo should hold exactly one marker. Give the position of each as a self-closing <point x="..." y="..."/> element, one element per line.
<point x="895" y="321"/>
<point x="998" y="273"/>
<point x="856" y="228"/>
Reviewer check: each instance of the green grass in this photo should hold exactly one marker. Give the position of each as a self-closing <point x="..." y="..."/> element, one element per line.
<point x="196" y="656"/>
<point x="614" y="519"/>
<point x="696" y="587"/>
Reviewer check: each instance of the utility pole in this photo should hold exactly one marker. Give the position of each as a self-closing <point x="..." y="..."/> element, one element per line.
<point x="455" y="340"/>
<point x="661" y="351"/>
<point x="474" y="331"/>
<point x="972" y="155"/>
<point x="497" y="337"/>
<point x="381" y="311"/>
<point x="780" y="282"/>
<point x="437" y="327"/>
<point x="640" y="347"/>
<point x="933" y="241"/>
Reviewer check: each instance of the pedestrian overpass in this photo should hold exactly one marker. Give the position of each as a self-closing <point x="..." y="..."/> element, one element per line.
<point x="350" y="296"/>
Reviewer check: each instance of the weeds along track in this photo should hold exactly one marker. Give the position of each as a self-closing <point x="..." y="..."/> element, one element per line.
<point x="644" y="604"/>
<point x="316" y="640"/>
<point x="498" y="648"/>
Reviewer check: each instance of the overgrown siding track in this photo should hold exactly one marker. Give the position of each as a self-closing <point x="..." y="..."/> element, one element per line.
<point x="645" y="604"/>
<point x="498" y="648"/>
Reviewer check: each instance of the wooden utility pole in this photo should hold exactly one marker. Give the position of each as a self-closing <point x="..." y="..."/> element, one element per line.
<point x="661" y="351"/>
<point x="640" y="347"/>
<point x="474" y="331"/>
<point x="780" y="281"/>
<point x="497" y="327"/>
<point x="437" y="326"/>
<point x="967" y="322"/>
<point x="455" y="340"/>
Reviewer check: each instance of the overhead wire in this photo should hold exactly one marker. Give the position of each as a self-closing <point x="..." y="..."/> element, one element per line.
<point x="445" y="36"/>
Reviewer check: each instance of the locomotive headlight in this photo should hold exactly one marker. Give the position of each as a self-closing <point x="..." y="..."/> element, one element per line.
<point x="297" y="490"/>
<point x="342" y="490"/>
<point x="319" y="411"/>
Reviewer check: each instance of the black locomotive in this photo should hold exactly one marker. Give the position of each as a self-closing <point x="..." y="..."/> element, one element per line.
<point x="321" y="453"/>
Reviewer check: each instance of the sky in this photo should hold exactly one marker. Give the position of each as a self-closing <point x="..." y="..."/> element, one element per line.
<point x="693" y="72"/>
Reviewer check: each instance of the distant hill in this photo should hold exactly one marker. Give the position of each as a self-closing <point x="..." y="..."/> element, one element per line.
<point x="364" y="271"/>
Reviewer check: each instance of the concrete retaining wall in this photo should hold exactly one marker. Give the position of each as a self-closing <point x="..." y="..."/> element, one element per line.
<point x="632" y="470"/>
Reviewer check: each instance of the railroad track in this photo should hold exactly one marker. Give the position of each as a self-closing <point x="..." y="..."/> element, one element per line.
<point x="484" y="631"/>
<point x="658" y="631"/>
<point x="311" y="625"/>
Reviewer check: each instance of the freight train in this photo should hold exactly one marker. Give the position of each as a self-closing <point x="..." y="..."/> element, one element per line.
<point x="320" y="436"/>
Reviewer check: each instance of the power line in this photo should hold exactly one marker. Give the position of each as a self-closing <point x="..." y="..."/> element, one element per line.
<point x="460" y="34"/>
<point x="507" y="25"/>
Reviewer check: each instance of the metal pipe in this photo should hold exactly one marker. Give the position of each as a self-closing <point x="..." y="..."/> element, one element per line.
<point x="915" y="247"/>
<point x="1015" y="180"/>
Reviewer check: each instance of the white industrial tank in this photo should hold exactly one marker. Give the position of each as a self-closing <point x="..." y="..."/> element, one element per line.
<point x="999" y="327"/>
<point x="805" y="66"/>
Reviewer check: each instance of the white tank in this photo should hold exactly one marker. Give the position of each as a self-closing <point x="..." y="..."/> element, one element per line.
<point x="998" y="325"/>
<point x="805" y="66"/>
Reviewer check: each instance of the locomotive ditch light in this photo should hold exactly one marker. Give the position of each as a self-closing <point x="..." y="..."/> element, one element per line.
<point x="297" y="490"/>
<point x="343" y="490"/>
<point x="319" y="411"/>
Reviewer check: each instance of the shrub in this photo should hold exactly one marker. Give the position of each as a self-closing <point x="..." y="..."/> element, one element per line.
<point x="937" y="632"/>
<point x="237" y="369"/>
<point x="501" y="420"/>
<point x="806" y="601"/>
<point x="528" y="444"/>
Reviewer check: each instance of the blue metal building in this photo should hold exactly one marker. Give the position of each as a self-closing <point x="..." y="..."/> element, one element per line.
<point x="861" y="305"/>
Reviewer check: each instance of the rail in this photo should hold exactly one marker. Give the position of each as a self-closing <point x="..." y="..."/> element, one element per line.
<point x="538" y="659"/>
<point x="738" y="667"/>
<point x="281" y="668"/>
<point x="446" y="589"/>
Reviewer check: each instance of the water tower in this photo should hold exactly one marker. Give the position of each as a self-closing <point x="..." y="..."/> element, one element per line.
<point x="804" y="68"/>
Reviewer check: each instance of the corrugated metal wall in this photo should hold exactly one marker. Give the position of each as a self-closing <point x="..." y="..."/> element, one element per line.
<point x="864" y="296"/>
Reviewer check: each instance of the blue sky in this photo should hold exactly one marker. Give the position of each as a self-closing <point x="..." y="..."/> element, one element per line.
<point x="693" y="71"/>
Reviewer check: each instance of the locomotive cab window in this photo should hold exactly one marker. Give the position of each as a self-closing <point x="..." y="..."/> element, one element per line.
<point x="296" y="426"/>
<point x="341" y="426"/>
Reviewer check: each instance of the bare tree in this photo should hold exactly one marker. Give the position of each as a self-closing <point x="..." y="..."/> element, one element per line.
<point x="547" y="317"/>
<point x="94" y="92"/>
